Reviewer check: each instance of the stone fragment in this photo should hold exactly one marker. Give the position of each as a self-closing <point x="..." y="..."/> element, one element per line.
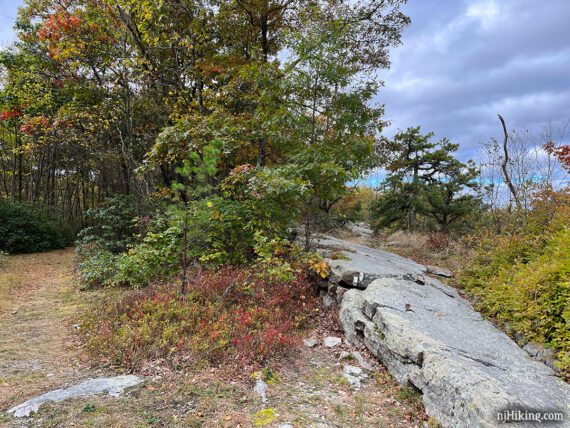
<point x="114" y="386"/>
<point x="331" y="341"/>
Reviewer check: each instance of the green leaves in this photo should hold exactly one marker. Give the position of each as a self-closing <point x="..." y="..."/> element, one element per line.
<point x="425" y="179"/>
<point x="244" y="116"/>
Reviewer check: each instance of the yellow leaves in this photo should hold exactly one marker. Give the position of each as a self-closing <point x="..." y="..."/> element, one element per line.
<point x="321" y="268"/>
<point x="523" y="281"/>
<point x="265" y="417"/>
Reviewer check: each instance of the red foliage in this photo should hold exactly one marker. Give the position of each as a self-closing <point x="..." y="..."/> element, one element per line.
<point x="562" y="153"/>
<point x="58" y="25"/>
<point x="438" y="241"/>
<point x="9" y="114"/>
<point x="229" y="315"/>
<point x="35" y="125"/>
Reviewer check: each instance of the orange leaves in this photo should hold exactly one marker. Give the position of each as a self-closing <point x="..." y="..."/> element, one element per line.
<point x="35" y="125"/>
<point x="58" y="25"/>
<point x="68" y="35"/>
<point x="211" y="69"/>
<point x="562" y="153"/>
<point x="242" y="169"/>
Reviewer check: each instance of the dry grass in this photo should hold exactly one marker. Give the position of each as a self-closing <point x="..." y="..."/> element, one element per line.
<point x="450" y="254"/>
<point x="308" y="391"/>
<point x="38" y="349"/>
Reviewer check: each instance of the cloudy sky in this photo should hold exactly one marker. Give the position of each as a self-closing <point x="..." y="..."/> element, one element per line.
<point x="8" y="10"/>
<point x="464" y="61"/>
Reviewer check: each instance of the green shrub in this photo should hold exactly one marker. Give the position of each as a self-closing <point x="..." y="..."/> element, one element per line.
<point x="97" y="268"/>
<point x="154" y="257"/>
<point x="157" y="257"/>
<point x="220" y="227"/>
<point x="522" y="279"/>
<point x="111" y="227"/>
<point x="27" y="229"/>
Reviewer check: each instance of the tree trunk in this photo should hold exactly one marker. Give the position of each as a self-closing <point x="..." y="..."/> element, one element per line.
<point x="505" y="164"/>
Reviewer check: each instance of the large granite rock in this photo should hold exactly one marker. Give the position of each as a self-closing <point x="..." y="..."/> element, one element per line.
<point x="430" y="338"/>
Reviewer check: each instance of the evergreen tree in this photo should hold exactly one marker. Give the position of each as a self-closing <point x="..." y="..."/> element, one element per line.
<point x="425" y="179"/>
<point x="452" y="196"/>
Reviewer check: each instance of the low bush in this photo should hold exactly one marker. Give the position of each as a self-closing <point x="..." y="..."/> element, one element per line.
<point x="220" y="229"/>
<point x="154" y="257"/>
<point x="27" y="229"/>
<point x="229" y="315"/>
<point x="97" y="267"/>
<point x="521" y="278"/>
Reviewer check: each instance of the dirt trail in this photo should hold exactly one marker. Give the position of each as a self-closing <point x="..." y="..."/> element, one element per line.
<point x="37" y="305"/>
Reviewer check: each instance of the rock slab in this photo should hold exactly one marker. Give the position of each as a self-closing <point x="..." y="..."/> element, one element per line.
<point x="430" y="338"/>
<point x="356" y="266"/>
<point x="114" y="386"/>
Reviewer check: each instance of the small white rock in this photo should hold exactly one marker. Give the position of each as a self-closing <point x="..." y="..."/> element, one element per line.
<point x="328" y="301"/>
<point x="310" y="343"/>
<point x="261" y="388"/>
<point x="331" y="341"/>
<point x="352" y="370"/>
<point x="353" y="375"/>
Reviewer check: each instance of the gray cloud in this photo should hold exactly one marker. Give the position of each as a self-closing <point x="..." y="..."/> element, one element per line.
<point x="462" y="62"/>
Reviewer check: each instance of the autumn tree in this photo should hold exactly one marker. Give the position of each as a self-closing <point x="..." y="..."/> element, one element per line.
<point x="116" y="96"/>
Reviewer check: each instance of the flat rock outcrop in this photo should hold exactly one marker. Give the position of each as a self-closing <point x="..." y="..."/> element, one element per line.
<point x="355" y="265"/>
<point x="428" y="337"/>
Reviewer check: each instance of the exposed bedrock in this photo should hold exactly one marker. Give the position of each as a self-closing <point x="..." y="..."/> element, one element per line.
<point x="430" y="338"/>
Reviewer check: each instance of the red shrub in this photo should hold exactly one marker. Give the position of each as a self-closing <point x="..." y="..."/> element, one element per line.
<point x="228" y="315"/>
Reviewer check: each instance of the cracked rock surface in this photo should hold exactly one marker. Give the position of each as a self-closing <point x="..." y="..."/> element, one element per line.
<point x="431" y="338"/>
